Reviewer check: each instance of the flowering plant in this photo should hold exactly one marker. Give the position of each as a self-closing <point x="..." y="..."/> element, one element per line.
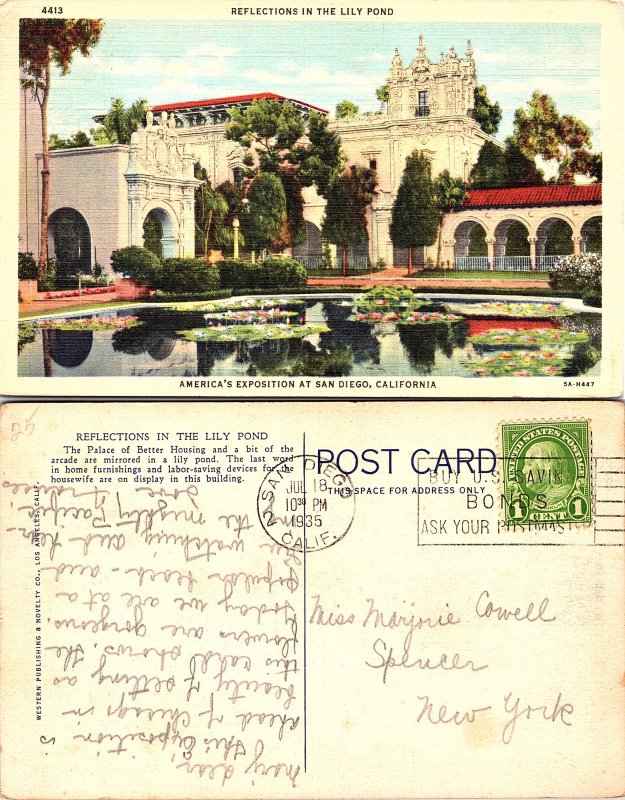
<point x="577" y="273"/>
<point x="538" y="337"/>
<point x="90" y="323"/>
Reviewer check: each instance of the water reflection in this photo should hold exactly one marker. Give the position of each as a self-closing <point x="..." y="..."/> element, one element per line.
<point x="348" y="348"/>
<point x="421" y="343"/>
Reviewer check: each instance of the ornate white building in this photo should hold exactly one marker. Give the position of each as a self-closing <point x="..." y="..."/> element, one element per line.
<point x="106" y="193"/>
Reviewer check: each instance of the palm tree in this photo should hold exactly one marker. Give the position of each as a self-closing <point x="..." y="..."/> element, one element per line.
<point x="451" y="193"/>
<point x="119" y="123"/>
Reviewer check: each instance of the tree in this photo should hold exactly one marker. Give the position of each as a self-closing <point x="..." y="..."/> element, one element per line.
<point x="383" y="94"/>
<point x="266" y="211"/>
<point x="540" y="130"/>
<point x="346" y="109"/>
<point x="496" y="167"/>
<point x="278" y="140"/>
<point x="486" y="113"/>
<point x="416" y="213"/>
<point x="451" y="193"/>
<point x="345" y="220"/>
<point x="490" y="170"/>
<point x="521" y="170"/>
<point x="321" y="159"/>
<point x="79" y="139"/>
<point x="269" y="129"/>
<point x="120" y="122"/>
<point x="44" y="44"/>
<point x="211" y="211"/>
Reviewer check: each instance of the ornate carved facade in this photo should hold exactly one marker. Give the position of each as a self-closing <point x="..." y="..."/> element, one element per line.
<point x="160" y="181"/>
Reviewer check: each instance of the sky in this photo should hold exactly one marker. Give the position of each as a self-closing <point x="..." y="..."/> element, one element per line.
<point x="322" y="63"/>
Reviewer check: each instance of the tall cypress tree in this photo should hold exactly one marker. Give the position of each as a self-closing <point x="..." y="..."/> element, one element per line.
<point x="416" y="212"/>
<point x="345" y="220"/>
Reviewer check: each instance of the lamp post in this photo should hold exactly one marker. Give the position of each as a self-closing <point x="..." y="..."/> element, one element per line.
<point x="235" y="229"/>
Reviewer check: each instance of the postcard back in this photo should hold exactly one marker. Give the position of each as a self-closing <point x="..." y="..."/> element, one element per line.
<point x="388" y="600"/>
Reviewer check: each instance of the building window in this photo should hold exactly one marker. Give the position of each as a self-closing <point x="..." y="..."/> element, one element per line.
<point x="373" y="164"/>
<point x="423" y="109"/>
<point x="237" y="176"/>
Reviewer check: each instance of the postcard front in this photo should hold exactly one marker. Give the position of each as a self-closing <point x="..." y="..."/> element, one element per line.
<point x="400" y="600"/>
<point x="312" y="201"/>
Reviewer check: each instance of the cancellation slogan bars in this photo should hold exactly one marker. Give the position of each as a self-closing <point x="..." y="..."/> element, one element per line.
<point x="256" y="604"/>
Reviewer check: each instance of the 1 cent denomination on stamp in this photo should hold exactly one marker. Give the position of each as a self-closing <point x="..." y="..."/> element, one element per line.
<point x="546" y="472"/>
<point x="306" y="504"/>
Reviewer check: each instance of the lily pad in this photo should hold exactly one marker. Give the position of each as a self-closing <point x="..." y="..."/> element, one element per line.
<point x="412" y="317"/>
<point x="90" y="324"/>
<point x="533" y="337"/>
<point x="520" y="364"/>
<point x="241" y="304"/>
<point x="507" y="309"/>
<point x="251" y="333"/>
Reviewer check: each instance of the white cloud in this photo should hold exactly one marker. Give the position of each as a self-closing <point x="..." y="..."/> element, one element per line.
<point x="548" y="84"/>
<point x="211" y="49"/>
<point x="208" y="59"/>
<point x="373" y="57"/>
<point x="314" y="76"/>
<point x="176" y="90"/>
<point x="490" y="57"/>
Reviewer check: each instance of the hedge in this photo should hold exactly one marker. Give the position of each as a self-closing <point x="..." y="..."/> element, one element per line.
<point x="137" y="263"/>
<point x="187" y="275"/>
<point x="270" y="274"/>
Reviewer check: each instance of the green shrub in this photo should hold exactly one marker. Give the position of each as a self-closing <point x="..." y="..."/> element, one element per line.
<point x="272" y="273"/>
<point x="26" y="267"/>
<point x="48" y="283"/>
<point x="188" y="275"/>
<point x="137" y="263"/>
<point x="592" y="299"/>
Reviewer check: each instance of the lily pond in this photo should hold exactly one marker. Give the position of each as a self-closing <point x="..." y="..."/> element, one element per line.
<point x="385" y="332"/>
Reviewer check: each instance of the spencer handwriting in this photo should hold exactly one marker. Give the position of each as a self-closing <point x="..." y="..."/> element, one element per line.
<point x="386" y="660"/>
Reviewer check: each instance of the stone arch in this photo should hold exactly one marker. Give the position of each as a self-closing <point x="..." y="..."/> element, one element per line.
<point x="69" y="241"/>
<point x="312" y="245"/>
<point x="512" y="233"/>
<point x="166" y="223"/>
<point x="554" y="236"/>
<point x="470" y="239"/>
<point x="591" y="232"/>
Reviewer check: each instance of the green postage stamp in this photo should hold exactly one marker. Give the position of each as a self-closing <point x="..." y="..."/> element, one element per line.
<point x="547" y="472"/>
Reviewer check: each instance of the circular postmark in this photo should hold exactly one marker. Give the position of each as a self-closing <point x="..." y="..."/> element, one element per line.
<point x="305" y="504"/>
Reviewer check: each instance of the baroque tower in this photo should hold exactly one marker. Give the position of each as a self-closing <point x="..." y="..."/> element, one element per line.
<point x="433" y="90"/>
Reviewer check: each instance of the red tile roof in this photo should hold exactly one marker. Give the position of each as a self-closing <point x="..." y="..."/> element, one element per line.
<point x="234" y="100"/>
<point x="555" y="194"/>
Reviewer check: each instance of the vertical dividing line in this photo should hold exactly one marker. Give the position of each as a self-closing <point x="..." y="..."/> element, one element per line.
<point x="305" y="615"/>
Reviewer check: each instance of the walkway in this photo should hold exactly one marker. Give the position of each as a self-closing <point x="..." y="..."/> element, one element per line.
<point x="127" y="292"/>
<point x="396" y="276"/>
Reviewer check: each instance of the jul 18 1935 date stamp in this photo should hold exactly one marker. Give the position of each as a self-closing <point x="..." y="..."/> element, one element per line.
<point x="546" y="472"/>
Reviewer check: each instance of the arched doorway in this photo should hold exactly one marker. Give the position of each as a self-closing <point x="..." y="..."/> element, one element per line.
<point x="592" y="235"/>
<point x="512" y="246"/>
<point x="310" y="251"/>
<point x="69" y="241"/>
<point x="470" y="249"/>
<point x="554" y="238"/>
<point x="159" y="234"/>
